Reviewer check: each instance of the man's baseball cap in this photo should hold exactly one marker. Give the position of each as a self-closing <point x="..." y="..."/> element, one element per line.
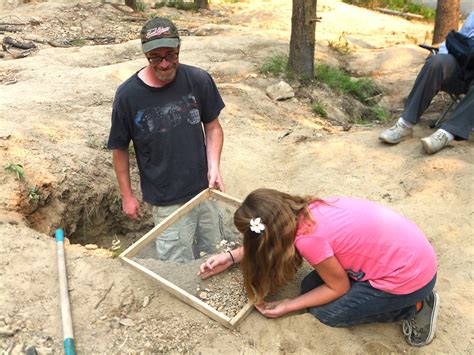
<point x="159" y="32"/>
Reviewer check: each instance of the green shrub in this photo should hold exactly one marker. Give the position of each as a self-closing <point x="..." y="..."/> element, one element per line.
<point x="141" y="6"/>
<point x="17" y="169"/>
<point x="362" y="121"/>
<point x="319" y="109"/>
<point x="398" y="5"/>
<point x="34" y="194"/>
<point x="381" y="114"/>
<point x="276" y="65"/>
<point x="178" y="4"/>
<point x="363" y="89"/>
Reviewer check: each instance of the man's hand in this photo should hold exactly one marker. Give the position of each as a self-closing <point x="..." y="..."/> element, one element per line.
<point x="131" y="208"/>
<point x="273" y="309"/>
<point x="214" y="265"/>
<point x="215" y="180"/>
<point x="214" y="142"/>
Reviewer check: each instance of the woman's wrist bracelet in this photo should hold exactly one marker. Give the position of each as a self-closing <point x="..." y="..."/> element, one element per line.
<point x="231" y="256"/>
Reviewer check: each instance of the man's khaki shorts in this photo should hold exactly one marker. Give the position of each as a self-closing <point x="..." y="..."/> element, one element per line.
<point x="200" y="230"/>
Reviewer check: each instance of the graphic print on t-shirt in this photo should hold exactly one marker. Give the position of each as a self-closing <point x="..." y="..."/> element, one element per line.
<point x="161" y="119"/>
<point x="355" y="275"/>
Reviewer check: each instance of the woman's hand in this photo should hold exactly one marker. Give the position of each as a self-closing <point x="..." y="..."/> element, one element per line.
<point x="274" y="309"/>
<point x="214" y="265"/>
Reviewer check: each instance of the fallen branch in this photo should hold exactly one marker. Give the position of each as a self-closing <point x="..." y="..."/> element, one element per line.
<point x="10" y="19"/>
<point x="399" y="13"/>
<point x="372" y="97"/>
<point x="134" y="19"/>
<point x="8" y="41"/>
<point x="10" y="28"/>
<point x="37" y="40"/>
<point x="104" y="295"/>
<point x="22" y="54"/>
<point x="63" y="43"/>
<point x="106" y="39"/>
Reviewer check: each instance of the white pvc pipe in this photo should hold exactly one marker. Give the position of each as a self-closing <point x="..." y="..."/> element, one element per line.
<point x="64" y="295"/>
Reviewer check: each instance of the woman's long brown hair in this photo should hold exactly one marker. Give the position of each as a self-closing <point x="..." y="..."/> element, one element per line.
<point x="270" y="257"/>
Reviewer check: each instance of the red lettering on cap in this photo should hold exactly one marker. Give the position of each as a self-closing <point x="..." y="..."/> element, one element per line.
<point x="157" y="31"/>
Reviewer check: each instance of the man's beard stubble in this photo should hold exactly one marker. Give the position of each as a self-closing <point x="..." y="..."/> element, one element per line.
<point x="167" y="75"/>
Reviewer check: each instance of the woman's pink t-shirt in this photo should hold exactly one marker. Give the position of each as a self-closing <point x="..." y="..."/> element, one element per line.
<point x="371" y="242"/>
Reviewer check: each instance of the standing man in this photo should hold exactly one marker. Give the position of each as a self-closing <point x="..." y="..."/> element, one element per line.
<point x="170" y="113"/>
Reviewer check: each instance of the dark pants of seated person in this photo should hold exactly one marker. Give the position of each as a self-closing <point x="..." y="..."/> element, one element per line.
<point x="461" y="123"/>
<point x="365" y="304"/>
<point x="440" y="72"/>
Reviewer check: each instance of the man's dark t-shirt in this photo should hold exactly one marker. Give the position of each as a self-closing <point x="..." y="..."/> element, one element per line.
<point x="165" y="125"/>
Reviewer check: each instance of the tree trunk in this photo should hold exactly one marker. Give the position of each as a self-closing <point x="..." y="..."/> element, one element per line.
<point x="302" y="42"/>
<point x="202" y="4"/>
<point x="447" y="19"/>
<point x="132" y="4"/>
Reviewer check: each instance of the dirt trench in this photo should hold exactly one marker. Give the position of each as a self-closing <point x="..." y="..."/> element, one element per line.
<point x="85" y="204"/>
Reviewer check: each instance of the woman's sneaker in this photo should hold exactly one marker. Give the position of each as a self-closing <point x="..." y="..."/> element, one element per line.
<point x="395" y="134"/>
<point x="420" y="329"/>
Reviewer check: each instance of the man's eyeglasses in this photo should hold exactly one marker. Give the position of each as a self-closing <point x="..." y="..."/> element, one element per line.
<point x="171" y="58"/>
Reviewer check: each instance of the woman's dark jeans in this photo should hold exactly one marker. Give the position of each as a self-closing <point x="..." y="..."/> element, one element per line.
<point x="364" y="304"/>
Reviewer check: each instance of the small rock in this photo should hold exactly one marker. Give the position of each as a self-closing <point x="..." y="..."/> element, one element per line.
<point x="146" y="301"/>
<point x="203" y="296"/>
<point x="280" y="91"/>
<point x="6" y="332"/>
<point x="44" y="350"/>
<point x="126" y="322"/>
<point x="91" y="246"/>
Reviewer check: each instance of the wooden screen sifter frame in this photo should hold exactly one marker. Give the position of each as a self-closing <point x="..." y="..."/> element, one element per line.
<point x="183" y="295"/>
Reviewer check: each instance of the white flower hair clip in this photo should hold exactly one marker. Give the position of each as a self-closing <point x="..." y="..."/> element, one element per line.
<point x="256" y="225"/>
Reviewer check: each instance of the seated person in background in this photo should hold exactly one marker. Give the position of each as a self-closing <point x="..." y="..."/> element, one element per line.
<point x="440" y="72"/>
<point x="370" y="263"/>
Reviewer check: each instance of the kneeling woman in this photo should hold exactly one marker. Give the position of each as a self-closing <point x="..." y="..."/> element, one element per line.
<point x="371" y="264"/>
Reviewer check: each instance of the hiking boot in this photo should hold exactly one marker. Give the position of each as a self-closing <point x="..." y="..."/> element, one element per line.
<point x="435" y="142"/>
<point x="420" y="329"/>
<point x="395" y="134"/>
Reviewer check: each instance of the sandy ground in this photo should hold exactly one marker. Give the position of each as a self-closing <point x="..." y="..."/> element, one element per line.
<point x="54" y="119"/>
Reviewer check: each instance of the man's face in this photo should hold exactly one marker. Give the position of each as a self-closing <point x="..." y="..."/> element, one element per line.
<point x="164" y="62"/>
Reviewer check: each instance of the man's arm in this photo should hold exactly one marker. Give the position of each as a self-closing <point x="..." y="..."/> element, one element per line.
<point x="214" y="142"/>
<point x="467" y="30"/>
<point x="130" y="204"/>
